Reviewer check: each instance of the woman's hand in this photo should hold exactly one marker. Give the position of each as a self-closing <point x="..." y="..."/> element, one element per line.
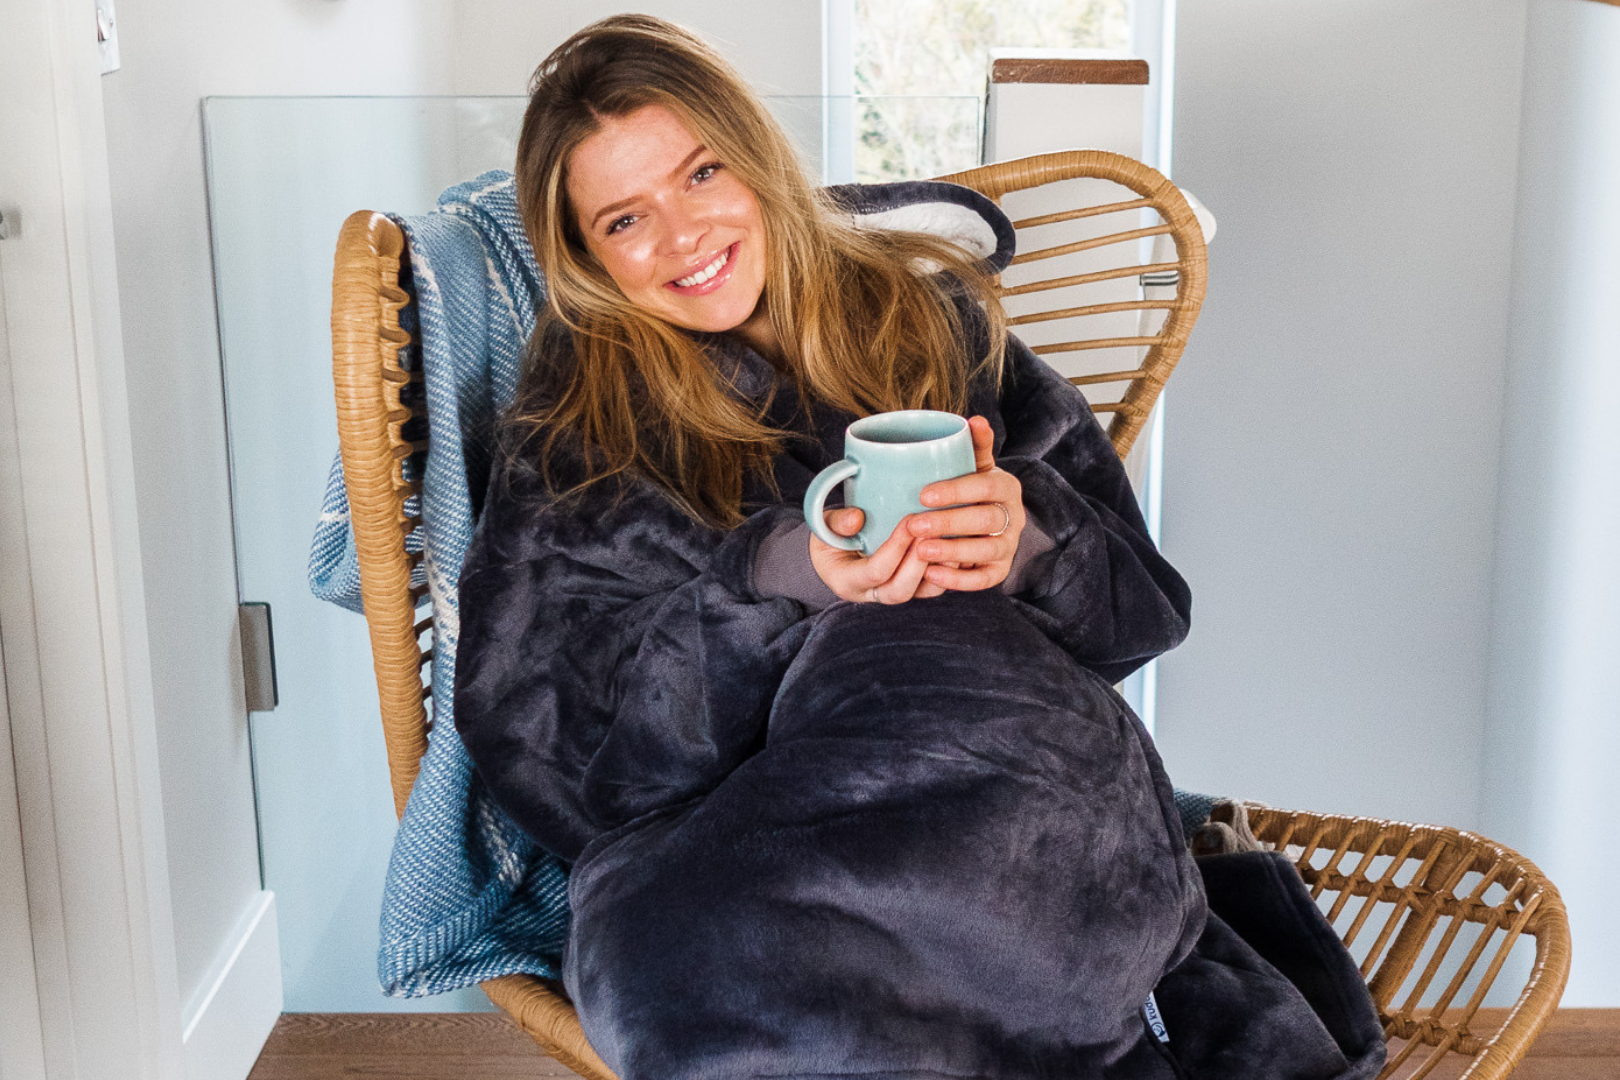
<point x="892" y="574"/>
<point x="970" y="547"/>
<point x="964" y="548"/>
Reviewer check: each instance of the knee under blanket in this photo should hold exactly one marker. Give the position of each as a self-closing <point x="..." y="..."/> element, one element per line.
<point x="902" y="843"/>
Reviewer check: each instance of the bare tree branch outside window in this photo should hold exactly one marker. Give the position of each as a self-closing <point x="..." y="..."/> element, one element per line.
<point x="920" y="69"/>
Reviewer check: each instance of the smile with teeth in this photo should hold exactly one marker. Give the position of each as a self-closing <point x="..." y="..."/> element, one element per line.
<point x="706" y="273"/>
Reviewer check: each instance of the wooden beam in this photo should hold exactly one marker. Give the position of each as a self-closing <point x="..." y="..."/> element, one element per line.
<point x="1122" y="70"/>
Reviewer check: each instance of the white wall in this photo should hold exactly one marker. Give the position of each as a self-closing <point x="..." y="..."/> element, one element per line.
<point x="1553" y="740"/>
<point x="1331" y="438"/>
<point x="776" y="44"/>
<point x="173" y="54"/>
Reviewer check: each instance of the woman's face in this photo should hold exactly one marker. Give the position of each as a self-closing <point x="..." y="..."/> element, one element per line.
<point x="678" y="232"/>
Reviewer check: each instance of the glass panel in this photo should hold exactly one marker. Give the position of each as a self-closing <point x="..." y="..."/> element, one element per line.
<point x="283" y="174"/>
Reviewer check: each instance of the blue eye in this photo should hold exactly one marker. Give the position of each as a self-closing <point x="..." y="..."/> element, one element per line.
<point x="620" y="223"/>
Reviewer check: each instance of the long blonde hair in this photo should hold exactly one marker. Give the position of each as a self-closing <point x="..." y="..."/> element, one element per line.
<point x="865" y="328"/>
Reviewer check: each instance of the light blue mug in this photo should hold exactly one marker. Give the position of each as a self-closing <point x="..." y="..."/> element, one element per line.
<point x="888" y="459"/>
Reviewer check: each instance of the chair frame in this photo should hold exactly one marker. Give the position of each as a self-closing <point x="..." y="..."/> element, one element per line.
<point x="1153" y="192"/>
<point x="1336" y="855"/>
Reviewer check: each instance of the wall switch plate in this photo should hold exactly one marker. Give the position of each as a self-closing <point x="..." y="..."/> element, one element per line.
<point x="107" y="35"/>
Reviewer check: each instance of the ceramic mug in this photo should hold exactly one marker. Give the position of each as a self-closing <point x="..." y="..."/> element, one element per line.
<point x="888" y="459"/>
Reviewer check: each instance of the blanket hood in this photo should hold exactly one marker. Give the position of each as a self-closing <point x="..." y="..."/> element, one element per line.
<point x="953" y="212"/>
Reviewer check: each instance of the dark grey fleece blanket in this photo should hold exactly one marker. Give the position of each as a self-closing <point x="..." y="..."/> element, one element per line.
<point x="906" y="842"/>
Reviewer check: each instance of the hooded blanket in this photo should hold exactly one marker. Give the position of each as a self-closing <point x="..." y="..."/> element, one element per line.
<point x="902" y="842"/>
<point x="468" y="896"/>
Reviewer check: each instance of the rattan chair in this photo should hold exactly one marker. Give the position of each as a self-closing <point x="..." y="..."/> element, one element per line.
<point x="1108" y="287"/>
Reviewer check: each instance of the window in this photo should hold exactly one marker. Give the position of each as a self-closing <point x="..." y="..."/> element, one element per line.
<point x="920" y="68"/>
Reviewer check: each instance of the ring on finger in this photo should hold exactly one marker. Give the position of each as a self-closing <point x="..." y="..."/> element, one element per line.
<point x="1006" y="524"/>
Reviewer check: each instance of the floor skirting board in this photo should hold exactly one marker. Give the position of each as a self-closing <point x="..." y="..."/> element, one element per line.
<point x="237" y="1005"/>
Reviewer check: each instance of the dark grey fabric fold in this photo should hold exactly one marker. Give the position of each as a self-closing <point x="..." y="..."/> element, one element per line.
<point x="1261" y="898"/>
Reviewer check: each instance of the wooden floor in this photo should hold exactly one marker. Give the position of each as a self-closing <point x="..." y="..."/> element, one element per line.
<point x="1579" y="1044"/>
<point x="410" y="1046"/>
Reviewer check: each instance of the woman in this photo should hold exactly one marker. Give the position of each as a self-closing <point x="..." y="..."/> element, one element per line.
<point x="827" y="814"/>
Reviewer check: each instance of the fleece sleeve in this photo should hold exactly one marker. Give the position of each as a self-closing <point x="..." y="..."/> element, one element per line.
<point x="1106" y="594"/>
<point x="612" y="660"/>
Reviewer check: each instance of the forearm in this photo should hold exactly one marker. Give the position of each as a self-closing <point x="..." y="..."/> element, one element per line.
<point x="782" y="567"/>
<point x="1032" y="562"/>
<point x="1117" y="601"/>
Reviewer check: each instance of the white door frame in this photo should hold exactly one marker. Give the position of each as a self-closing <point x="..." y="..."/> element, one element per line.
<point x="72" y="613"/>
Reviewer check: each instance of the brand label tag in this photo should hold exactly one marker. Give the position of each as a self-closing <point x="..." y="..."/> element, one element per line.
<point x="1150" y="1010"/>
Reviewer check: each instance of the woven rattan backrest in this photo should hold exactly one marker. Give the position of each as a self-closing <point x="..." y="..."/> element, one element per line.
<point x="384" y="501"/>
<point x="1432" y="915"/>
<point x="1109" y="277"/>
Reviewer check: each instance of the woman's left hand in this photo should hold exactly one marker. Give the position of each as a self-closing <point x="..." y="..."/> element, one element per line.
<point x="971" y="546"/>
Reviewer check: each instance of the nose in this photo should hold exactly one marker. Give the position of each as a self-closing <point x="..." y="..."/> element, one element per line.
<point x="684" y="231"/>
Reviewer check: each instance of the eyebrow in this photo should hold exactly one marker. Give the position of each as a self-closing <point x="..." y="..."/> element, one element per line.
<point x="622" y="203"/>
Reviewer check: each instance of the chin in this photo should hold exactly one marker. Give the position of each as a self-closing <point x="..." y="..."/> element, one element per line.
<point x="710" y="319"/>
<point x="722" y="323"/>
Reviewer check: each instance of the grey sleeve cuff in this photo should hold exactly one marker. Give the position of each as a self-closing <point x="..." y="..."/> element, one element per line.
<point x="1030" y="565"/>
<point x="782" y="567"/>
<point x="782" y="564"/>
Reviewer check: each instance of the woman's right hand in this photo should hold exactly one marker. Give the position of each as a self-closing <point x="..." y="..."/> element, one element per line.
<point x="892" y="574"/>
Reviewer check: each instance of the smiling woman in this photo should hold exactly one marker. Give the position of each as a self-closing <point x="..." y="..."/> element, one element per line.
<point x="644" y="160"/>
<point x="879" y="815"/>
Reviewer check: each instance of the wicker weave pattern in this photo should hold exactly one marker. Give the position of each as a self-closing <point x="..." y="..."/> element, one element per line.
<point x="366" y="374"/>
<point x="1343" y="858"/>
<point x="1420" y="907"/>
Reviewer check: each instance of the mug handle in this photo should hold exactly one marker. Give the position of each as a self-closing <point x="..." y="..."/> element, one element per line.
<point x="815" y="501"/>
